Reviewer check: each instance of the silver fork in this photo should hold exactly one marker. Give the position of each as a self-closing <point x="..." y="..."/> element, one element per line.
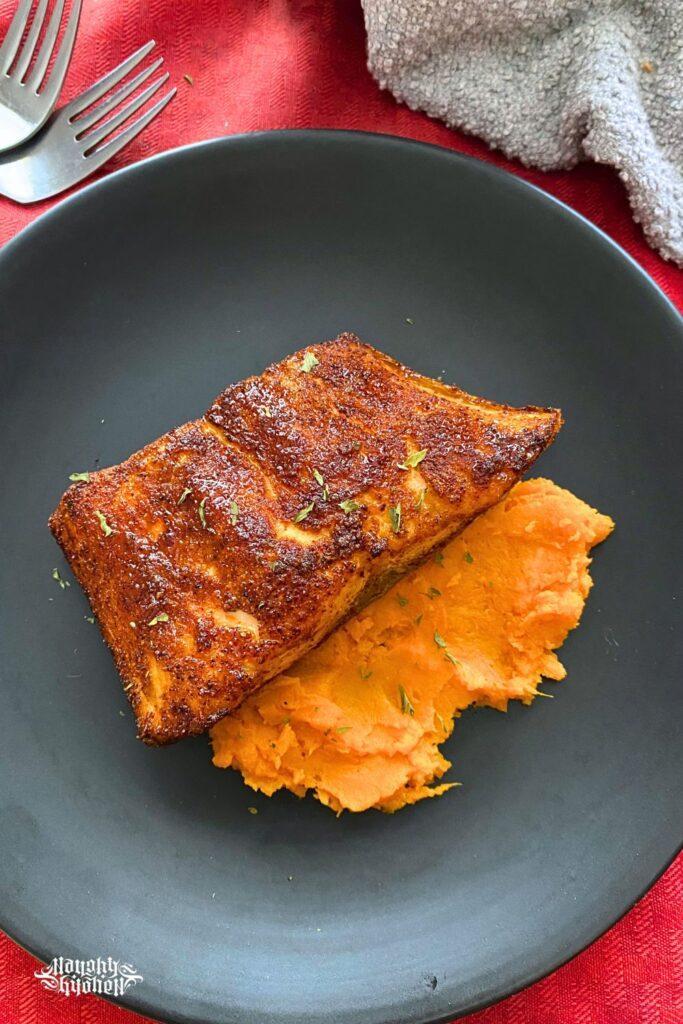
<point x="71" y="147"/>
<point x="28" y="99"/>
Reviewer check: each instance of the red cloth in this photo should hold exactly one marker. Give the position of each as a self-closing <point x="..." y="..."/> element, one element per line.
<point x="256" y="64"/>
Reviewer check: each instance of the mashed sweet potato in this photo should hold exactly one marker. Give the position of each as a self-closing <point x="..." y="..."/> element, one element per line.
<point x="358" y="721"/>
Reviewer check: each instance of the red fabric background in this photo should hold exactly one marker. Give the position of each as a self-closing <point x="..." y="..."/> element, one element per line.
<point x="300" y="63"/>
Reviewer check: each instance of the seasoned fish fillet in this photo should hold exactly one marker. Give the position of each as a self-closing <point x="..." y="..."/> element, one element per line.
<point x="221" y="552"/>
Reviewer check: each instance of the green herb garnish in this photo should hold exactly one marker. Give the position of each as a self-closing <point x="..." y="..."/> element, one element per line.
<point x="395" y="517"/>
<point x="184" y="495"/>
<point x="304" y="513"/>
<point x="418" y="619"/>
<point x="349" y="505"/>
<point x="202" y="513"/>
<point x="90" y="619"/>
<point x="364" y="673"/>
<point x="439" y="640"/>
<point x="234" y="512"/>
<point x="449" y="657"/>
<point x="406" y="707"/>
<point x="161" y="617"/>
<point x="403" y="601"/>
<point x="104" y="525"/>
<point x="432" y="593"/>
<point x="468" y="558"/>
<point x="413" y="460"/>
<point x="438" y="557"/>
<point x="79" y="478"/>
<point x="410" y="321"/>
<point x="266" y="411"/>
<point x="320" y="480"/>
<point x="63" y="583"/>
<point x="343" y="728"/>
<point x="421" y="500"/>
<point x="308" y="362"/>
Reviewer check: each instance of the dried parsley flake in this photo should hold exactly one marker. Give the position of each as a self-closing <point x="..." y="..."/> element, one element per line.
<point x="406" y="707"/>
<point x="395" y="517"/>
<point x="202" y="512"/>
<point x="184" y="495"/>
<point x="161" y="617"/>
<point x="320" y="480"/>
<point x="349" y="505"/>
<point x="413" y="460"/>
<point x="104" y="525"/>
<point x="79" y="478"/>
<point x="304" y="513"/>
<point x="63" y="583"/>
<point x="308" y="362"/>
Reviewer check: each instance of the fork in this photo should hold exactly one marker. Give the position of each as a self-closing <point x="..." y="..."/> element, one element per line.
<point x="73" y="144"/>
<point x="28" y="99"/>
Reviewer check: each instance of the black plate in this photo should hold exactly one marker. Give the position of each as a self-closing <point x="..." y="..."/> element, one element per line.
<point x="124" y="311"/>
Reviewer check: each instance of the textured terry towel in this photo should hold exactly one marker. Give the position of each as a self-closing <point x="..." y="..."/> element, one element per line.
<point x="551" y="82"/>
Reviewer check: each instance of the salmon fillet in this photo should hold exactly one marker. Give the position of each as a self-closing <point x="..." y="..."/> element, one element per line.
<point x="220" y="553"/>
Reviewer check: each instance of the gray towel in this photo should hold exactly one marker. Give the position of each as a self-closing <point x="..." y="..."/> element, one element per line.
<point x="551" y="82"/>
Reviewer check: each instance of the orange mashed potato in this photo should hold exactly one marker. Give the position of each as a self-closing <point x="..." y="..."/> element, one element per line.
<point x="358" y="721"/>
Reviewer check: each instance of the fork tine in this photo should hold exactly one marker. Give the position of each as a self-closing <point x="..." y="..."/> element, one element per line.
<point x="31" y="40"/>
<point x="109" y="149"/>
<point x="107" y="82"/>
<point x="54" y="83"/>
<point x="45" y="51"/>
<point x="84" y="123"/>
<point x="89" y="141"/>
<point x="10" y="45"/>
